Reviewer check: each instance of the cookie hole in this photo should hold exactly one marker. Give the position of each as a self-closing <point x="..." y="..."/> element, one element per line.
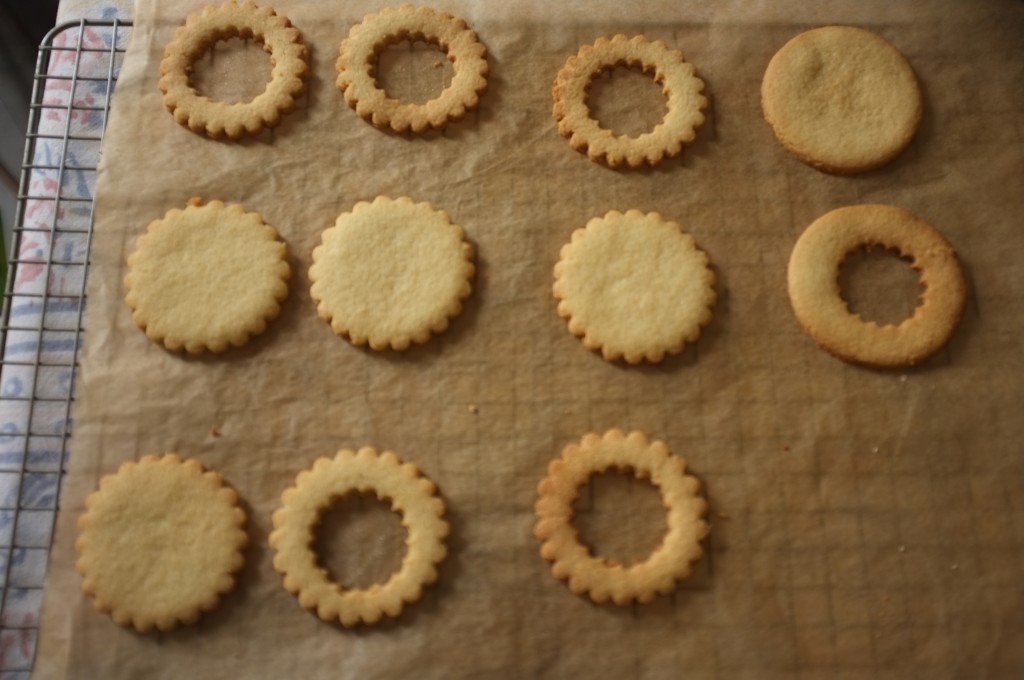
<point x="620" y="517"/>
<point x="413" y="71"/>
<point x="360" y="541"/>
<point x="880" y="285"/>
<point x="627" y="101"/>
<point x="233" y="71"/>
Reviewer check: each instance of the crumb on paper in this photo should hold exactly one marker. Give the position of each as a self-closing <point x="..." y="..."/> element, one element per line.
<point x="438" y="63"/>
<point x="902" y="548"/>
<point x="903" y="378"/>
<point x="474" y="409"/>
<point x="875" y="449"/>
<point x="954" y="566"/>
<point x="215" y="431"/>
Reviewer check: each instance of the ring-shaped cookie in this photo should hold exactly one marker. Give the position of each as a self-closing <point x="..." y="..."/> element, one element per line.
<point x="412" y="495"/>
<point x="815" y="295"/>
<point x="232" y="20"/>
<point x="601" y="578"/>
<point x="680" y="85"/>
<point x="357" y="63"/>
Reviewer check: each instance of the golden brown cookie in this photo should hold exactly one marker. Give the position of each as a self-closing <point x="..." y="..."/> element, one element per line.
<point x="601" y="578"/>
<point x="412" y="495"/>
<point x="634" y="286"/>
<point x="815" y="295"/>
<point x="207" y="277"/>
<point x="358" y="61"/>
<point x="841" y="99"/>
<point x="391" y="272"/>
<point x="233" y="20"/>
<point x="160" y="542"/>
<point x="680" y="84"/>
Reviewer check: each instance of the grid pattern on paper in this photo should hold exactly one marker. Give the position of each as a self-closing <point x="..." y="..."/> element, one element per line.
<point x="43" y="307"/>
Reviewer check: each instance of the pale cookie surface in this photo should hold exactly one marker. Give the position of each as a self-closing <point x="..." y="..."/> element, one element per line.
<point x="412" y="495"/>
<point x="391" y="272"/>
<point x="207" y="277"/>
<point x="680" y="85"/>
<point x="815" y="295"/>
<point x="841" y="99"/>
<point x="160" y="542"/>
<point x="601" y="578"/>
<point x="357" y="64"/>
<point x="233" y="20"/>
<point x="634" y="286"/>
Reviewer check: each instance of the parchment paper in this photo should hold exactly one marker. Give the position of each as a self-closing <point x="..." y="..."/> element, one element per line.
<point x="866" y="524"/>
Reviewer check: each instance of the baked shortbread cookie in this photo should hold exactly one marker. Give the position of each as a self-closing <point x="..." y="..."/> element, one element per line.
<point x="601" y="578"/>
<point x="814" y="285"/>
<point x="160" y="542"/>
<point x="391" y="272"/>
<point x="682" y="88"/>
<point x="200" y="32"/>
<point x="357" y="64"/>
<point x="634" y="286"/>
<point x="207" y="277"/>
<point x="841" y="99"/>
<point x="411" y="494"/>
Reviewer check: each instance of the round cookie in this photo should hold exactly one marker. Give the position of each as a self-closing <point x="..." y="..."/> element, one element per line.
<point x="160" y="542"/>
<point x="391" y="272"/>
<point x="357" y="63"/>
<point x="841" y="99"/>
<point x="680" y="84"/>
<point x="601" y="578"/>
<point x="412" y="495"/>
<point x="233" y="20"/>
<point x="634" y="286"/>
<point x="815" y="296"/>
<point x="207" y="277"/>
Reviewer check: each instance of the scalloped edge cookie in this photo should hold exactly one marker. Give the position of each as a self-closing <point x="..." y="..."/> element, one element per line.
<point x="160" y="542"/>
<point x="390" y="273"/>
<point x="411" y="494"/>
<point x="357" y="62"/>
<point x="680" y="84"/>
<point x="633" y="286"/>
<point x="206" y="278"/>
<point x="201" y="31"/>
<point x="601" y="578"/>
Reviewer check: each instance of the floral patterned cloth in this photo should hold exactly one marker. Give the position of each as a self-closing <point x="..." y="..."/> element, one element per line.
<point x="42" y="338"/>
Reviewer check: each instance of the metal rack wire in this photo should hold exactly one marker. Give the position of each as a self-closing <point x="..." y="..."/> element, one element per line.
<point x="44" y="302"/>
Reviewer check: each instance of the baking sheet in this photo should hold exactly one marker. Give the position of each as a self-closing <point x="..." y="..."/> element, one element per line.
<point x="866" y="523"/>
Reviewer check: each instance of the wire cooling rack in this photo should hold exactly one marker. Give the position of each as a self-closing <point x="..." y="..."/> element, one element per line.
<point x="44" y="303"/>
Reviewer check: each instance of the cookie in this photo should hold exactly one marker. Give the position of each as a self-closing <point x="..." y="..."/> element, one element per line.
<point x="412" y="495"/>
<point x="160" y="542"/>
<point x="841" y="99"/>
<point x="601" y="578"/>
<point x="199" y="33"/>
<point x="358" y="61"/>
<point x="634" y="286"/>
<point x="391" y="272"/>
<point x="207" y="277"/>
<point x="815" y="296"/>
<point x="681" y="86"/>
